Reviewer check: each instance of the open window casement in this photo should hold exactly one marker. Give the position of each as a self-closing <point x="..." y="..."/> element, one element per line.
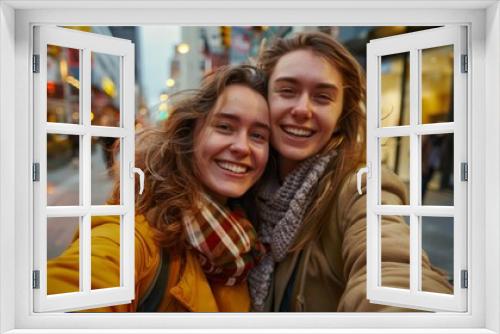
<point x="412" y="133"/>
<point x="83" y="51"/>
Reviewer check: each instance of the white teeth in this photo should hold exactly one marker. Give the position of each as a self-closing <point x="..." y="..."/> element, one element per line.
<point x="238" y="169"/>
<point x="298" y="132"/>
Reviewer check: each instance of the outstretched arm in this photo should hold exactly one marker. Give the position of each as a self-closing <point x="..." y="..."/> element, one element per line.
<point x="63" y="271"/>
<point x="395" y="251"/>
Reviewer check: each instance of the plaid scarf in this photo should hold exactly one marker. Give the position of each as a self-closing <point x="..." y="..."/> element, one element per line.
<point x="226" y="242"/>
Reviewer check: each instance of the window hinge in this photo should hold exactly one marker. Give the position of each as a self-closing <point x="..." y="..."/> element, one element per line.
<point x="464" y="171"/>
<point x="36" y="63"/>
<point x="36" y="171"/>
<point x="36" y="279"/>
<point x="465" y="65"/>
<point x="465" y="279"/>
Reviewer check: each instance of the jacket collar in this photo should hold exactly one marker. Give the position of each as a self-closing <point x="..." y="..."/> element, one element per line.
<point x="193" y="290"/>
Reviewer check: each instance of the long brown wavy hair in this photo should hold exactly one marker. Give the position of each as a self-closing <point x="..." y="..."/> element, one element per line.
<point x="165" y="154"/>
<point x="349" y="139"/>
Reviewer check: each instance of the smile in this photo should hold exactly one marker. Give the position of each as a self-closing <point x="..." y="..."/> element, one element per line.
<point x="298" y="132"/>
<point x="232" y="167"/>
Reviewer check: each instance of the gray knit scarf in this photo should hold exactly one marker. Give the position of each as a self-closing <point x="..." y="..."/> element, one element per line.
<point x="281" y="211"/>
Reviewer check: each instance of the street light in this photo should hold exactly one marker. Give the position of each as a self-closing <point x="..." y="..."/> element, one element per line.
<point x="170" y="82"/>
<point x="183" y="48"/>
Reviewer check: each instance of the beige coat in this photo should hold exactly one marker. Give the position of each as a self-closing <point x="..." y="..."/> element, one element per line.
<point x="331" y="270"/>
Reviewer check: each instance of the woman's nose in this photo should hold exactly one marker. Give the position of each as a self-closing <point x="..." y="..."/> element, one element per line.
<point x="302" y="109"/>
<point x="240" y="146"/>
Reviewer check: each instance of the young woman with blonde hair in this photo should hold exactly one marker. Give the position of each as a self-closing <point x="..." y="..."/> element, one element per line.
<point x="310" y="214"/>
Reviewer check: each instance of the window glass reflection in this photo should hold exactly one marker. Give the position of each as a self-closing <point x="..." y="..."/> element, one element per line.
<point x="61" y="232"/>
<point x="437" y="84"/>
<point x="437" y="247"/>
<point x="63" y="84"/>
<point x="63" y="169"/>
<point x="395" y="86"/>
<point x="105" y="169"/>
<point x="395" y="251"/>
<point x="105" y="92"/>
<point x="395" y="156"/>
<point x="437" y="169"/>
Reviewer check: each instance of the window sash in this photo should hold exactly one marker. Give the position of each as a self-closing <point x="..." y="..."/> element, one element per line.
<point x="85" y="43"/>
<point x="414" y="43"/>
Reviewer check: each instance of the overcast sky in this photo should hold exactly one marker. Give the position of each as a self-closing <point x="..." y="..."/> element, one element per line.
<point x="157" y="50"/>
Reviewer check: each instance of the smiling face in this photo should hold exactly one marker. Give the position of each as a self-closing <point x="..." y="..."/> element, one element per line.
<point x="231" y="146"/>
<point x="305" y="99"/>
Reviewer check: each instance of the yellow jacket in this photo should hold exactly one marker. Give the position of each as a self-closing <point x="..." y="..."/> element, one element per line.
<point x="188" y="289"/>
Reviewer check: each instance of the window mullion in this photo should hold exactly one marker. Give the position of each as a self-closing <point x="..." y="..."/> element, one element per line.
<point x="415" y="88"/>
<point x="85" y="239"/>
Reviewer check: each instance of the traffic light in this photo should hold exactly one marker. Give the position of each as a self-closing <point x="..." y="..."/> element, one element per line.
<point x="225" y="33"/>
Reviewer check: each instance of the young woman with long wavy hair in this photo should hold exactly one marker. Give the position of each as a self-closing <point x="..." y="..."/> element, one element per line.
<point x="193" y="245"/>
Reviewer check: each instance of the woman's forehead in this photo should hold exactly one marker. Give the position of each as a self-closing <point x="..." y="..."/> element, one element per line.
<point x="306" y="65"/>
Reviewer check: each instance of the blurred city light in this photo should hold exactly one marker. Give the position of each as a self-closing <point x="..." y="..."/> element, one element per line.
<point x="73" y="81"/>
<point x="163" y="97"/>
<point x="163" y="107"/>
<point x="170" y="82"/>
<point x="63" y="68"/>
<point x="108" y="86"/>
<point x="163" y="115"/>
<point x="183" y="48"/>
<point x="51" y="87"/>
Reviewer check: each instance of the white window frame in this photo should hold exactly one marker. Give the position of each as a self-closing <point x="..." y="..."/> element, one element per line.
<point x="16" y="215"/>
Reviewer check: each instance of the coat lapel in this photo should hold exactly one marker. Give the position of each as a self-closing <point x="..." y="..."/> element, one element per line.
<point x="282" y="275"/>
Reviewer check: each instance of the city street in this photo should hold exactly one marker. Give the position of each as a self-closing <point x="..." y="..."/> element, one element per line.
<point x="63" y="189"/>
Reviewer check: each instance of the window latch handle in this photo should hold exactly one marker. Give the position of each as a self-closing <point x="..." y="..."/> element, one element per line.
<point x="361" y="171"/>
<point x="135" y="170"/>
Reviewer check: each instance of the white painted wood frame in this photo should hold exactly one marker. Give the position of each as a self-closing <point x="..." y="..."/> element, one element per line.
<point x="85" y="43"/>
<point x="415" y="44"/>
<point x="16" y="214"/>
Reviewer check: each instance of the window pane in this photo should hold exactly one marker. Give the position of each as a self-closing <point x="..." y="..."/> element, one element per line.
<point x="105" y="168"/>
<point x="437" y="169"/>
<point x="395" y="251"/>
<point x="63" y="167"/>
<point x="437" y="246"/>
<point x="61" y="232"/>
<point x="105" y="99"/>
<point x="437" y="84"/>
<point x="63" y="84"/>
<point x="105" y="252"/>
<point x="395" y="89"/>
<point x="395" y="156"/>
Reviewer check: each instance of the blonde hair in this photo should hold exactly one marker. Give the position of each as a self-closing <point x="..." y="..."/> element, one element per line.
<point x="349" y="138"/>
